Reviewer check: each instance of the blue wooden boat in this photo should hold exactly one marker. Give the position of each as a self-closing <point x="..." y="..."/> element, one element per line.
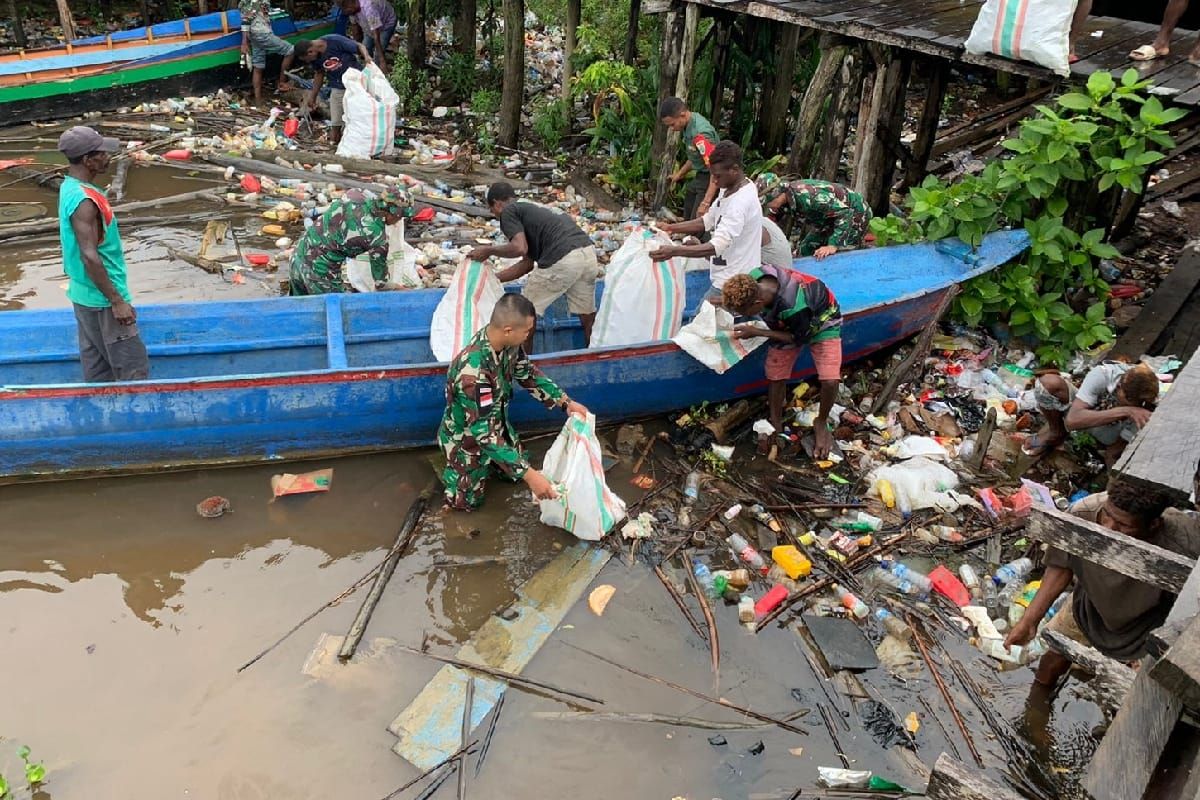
<point x="288" y="378"/>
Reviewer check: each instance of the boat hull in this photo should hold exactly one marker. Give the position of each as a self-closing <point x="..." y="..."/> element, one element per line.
<point x="194" y="68"/>
<point x="74" y="430"/>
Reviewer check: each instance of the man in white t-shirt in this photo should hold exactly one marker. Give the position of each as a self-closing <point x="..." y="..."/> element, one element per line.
<point x="734" y="221"/>
<point x="776" y="247"/>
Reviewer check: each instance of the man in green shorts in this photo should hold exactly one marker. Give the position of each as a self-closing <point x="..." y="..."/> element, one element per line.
<point x="699" y="139"/>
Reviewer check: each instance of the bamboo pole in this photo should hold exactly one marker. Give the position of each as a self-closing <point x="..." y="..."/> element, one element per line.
<point x="66" y="20"/>
<point x="499" y="674"/>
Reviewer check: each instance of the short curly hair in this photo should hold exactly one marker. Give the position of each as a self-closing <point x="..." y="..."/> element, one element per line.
<point x="739" y="292"/>
<point x="1141" y="502"/>
<point x="1140" y="386"/>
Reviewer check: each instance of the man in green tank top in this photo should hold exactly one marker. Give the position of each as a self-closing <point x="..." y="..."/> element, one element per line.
<point x="110" y="346"/>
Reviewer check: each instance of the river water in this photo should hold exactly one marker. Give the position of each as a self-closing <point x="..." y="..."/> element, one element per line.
<point x="125" y="617"/>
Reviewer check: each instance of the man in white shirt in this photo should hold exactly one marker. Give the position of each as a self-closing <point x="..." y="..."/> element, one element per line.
<point x="734" y="220"/>
<point x="776" y="247"/>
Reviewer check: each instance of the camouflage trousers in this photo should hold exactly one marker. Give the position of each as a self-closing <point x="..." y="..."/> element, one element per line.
<point x="464" y="478"/>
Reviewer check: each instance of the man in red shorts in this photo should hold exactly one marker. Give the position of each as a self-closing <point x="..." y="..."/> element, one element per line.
<point x="798" y="309"/>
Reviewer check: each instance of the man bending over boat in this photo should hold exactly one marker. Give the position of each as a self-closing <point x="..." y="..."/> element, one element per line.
<point x="110" y="346"/>
<point x="564" y="255"/>
<point x="330" y="57"/>
<point x="836" y="217"/>
<point x="259" y="41"/>
<point x="734" y="220"/>
<point x="475" y="433"/>
<point x="353" y="225"/>
<point x="798" y="309"/>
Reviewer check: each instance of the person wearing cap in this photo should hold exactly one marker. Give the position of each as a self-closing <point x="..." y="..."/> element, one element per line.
<point x="355" y="224"/>
<point x="110" y="346"/>
<point x="259" y="41"/>
<point x="836" y="217"/>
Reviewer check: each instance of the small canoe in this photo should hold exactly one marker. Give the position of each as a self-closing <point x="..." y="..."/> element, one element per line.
<point x="301" y="377"/>
<point x="191" y="56"/>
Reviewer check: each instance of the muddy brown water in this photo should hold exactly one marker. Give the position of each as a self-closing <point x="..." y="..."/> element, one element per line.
<point x="124" y="616"/>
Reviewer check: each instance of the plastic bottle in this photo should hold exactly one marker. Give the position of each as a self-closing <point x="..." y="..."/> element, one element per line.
<point x="746" y="609"/>
<point x="995" y="648"/>
<point x="703" y="576"/>
<point x="770" y="601"/>
<point x="791" y="560"/>
<point x="808" y="538"/>
<point x="734" y="578"/>
<point x="1014" y="571"/>
<point x="970" y="577"/>
<point x="885" y="576"/>
<point x="946" y="533"/>
<point x="857" y="607"/>
<point x="1055" y="607"/>
<point x="684" y="517"/>
<point x="766" y="518"/>
<point x="886" y="493"/>
<point x="893" y="624"/>
<point x="748" y="553"/>
<point x="861" y="522"/>
<point x="691" y="487"/>
<point x="987" y="591"/>
<point x="917" y="579"/>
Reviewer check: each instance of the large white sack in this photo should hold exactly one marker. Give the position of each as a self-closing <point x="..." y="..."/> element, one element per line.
<point x="466" y="307"/>
<point x="643" y="299"/>
<point x="369" y="108"/>
<point x="401" y="260"/>
<point x="1027" y="30"/>
<point x="585" y="505"/>
<point x="708" y="338"/>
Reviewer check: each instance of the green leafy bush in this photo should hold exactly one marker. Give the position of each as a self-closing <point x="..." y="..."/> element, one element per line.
<point x="458" y="75"/>
<point x="621" y="99"/>
<point x="549" y="122"/>
<point x="412" y="85"/>
<point x="485" y="101"/>
<point x="1065" y="171"/>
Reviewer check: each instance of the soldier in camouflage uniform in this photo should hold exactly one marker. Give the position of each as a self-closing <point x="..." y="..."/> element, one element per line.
<point x="354" y="224"/>
<point x="836" y="217"/>
<point x="475" y="433"/>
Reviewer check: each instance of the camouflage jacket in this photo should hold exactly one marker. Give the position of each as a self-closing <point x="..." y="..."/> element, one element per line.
<point x="478" y="390"/>
<point x="829" y="205"/>
<point x="255" y="13"/>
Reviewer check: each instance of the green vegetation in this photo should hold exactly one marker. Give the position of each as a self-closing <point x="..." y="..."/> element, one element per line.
<point x="1065" y="173"/>
<point x="485" y="101"/>
<point x="35" y="775"/>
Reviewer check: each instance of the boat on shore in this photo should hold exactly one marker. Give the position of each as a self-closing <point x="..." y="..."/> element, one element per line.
<point x="304" y="377"/>
<point x="190" y="56"/>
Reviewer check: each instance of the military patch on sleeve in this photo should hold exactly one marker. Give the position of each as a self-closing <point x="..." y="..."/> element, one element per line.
<point x="483" y="393"/>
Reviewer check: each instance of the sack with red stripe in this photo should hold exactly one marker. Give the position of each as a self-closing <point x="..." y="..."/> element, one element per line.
<point x="709" y="339"/>
<point x="585" y="505"/>
<point x="369" y="107"/>
<point x="1026" y="30"/>
<point x="464" y="309"/>
<point x="643" y="299"/>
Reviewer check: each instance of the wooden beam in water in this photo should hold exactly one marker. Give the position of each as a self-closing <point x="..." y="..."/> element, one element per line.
<point x="1139" y="560"/>
<point x="953" y="780"/>
<point x="1166" y="453"/>
<point x="430" y="728"/>
<point x="1111" y="680"/>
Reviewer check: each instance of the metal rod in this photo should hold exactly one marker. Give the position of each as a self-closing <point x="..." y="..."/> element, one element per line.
<point x="468" y="702"/>
<point x="487" y="739"/>
<point x="714" y="643"/>
<point x="687" y="613"/>
<point x="941" y="685"/>
<point x="453" y="756"/>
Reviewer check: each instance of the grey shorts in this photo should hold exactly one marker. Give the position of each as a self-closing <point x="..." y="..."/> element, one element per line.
<point x="263" y="43"/>
<point x="573" y="275"/>
<point x="108" y="350"/>
<point x="337" y="108"/>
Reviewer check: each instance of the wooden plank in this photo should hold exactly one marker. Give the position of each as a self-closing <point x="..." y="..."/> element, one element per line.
<point x="1166" y="452"/>
<point x="1187" y="606"/>
<point x="1111" y="680"/>
<point x="1097" y="544"/>
<point x="1161" y="308"/>
<point x="431" y="726"/>
<point x="953" y="780"/>
<point x="1115" y="54"/>
<point x="1189" y="97"/>
<point x="1088" y="44"/>
<point x="1184" y="332"/>
<point x="1179" y="670"/>
<point x="1124" y="763"/>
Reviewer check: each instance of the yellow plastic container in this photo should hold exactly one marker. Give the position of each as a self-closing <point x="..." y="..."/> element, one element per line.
<point x="273" y="230"/>
<point x="791" y="561"/>
<point x="886" y="493"/>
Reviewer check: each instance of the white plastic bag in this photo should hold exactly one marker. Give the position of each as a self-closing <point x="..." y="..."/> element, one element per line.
<point x="585" y="506"/>
<point x="708" y="338"/>
<point x="359" y="275"/>
<point x="370" y="114"/>
<point x="401" y="261"/>
<point x="926" y="483"/>
<point x="643" y="299"/>
<point x="464" y="309"/>
<point x="1027" y="30"/>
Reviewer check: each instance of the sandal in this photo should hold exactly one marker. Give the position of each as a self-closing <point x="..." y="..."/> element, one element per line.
<point x="1146" y="53"/>
<point x="1035" y="446"/>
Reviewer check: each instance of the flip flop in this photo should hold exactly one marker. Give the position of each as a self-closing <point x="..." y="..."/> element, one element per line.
<point x="1146" y="53"/>
<point x="1034" y="447"/>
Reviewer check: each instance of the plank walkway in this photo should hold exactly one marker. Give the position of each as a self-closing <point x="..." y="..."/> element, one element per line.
<point x="939" y="28"/>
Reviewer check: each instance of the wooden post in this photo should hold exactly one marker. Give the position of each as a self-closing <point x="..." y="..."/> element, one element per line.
<point x="683" y="84"/>
<point x="18" y="24"/>
<point x="877" y="130"/>
<point x="833" y="51"/>
<point x="202" y="6"/>
<point x="927" y="128"/>
<point x="774" y="116"/>
<point x="513" y="91"/>
<point x="147" y="17"/>
<point x="631" y="31"/>
<point x="664" y="145"/>
<point x="1179" y="669"/>
<point x="574" y="9"/>
<point x="67" y="21"/>
<point x="720" y="61"/>
<point x="953" y="780"/>
<point x="465" y="25"/>
<point x="417" y="51"/>
<point x="849" y="89"/>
